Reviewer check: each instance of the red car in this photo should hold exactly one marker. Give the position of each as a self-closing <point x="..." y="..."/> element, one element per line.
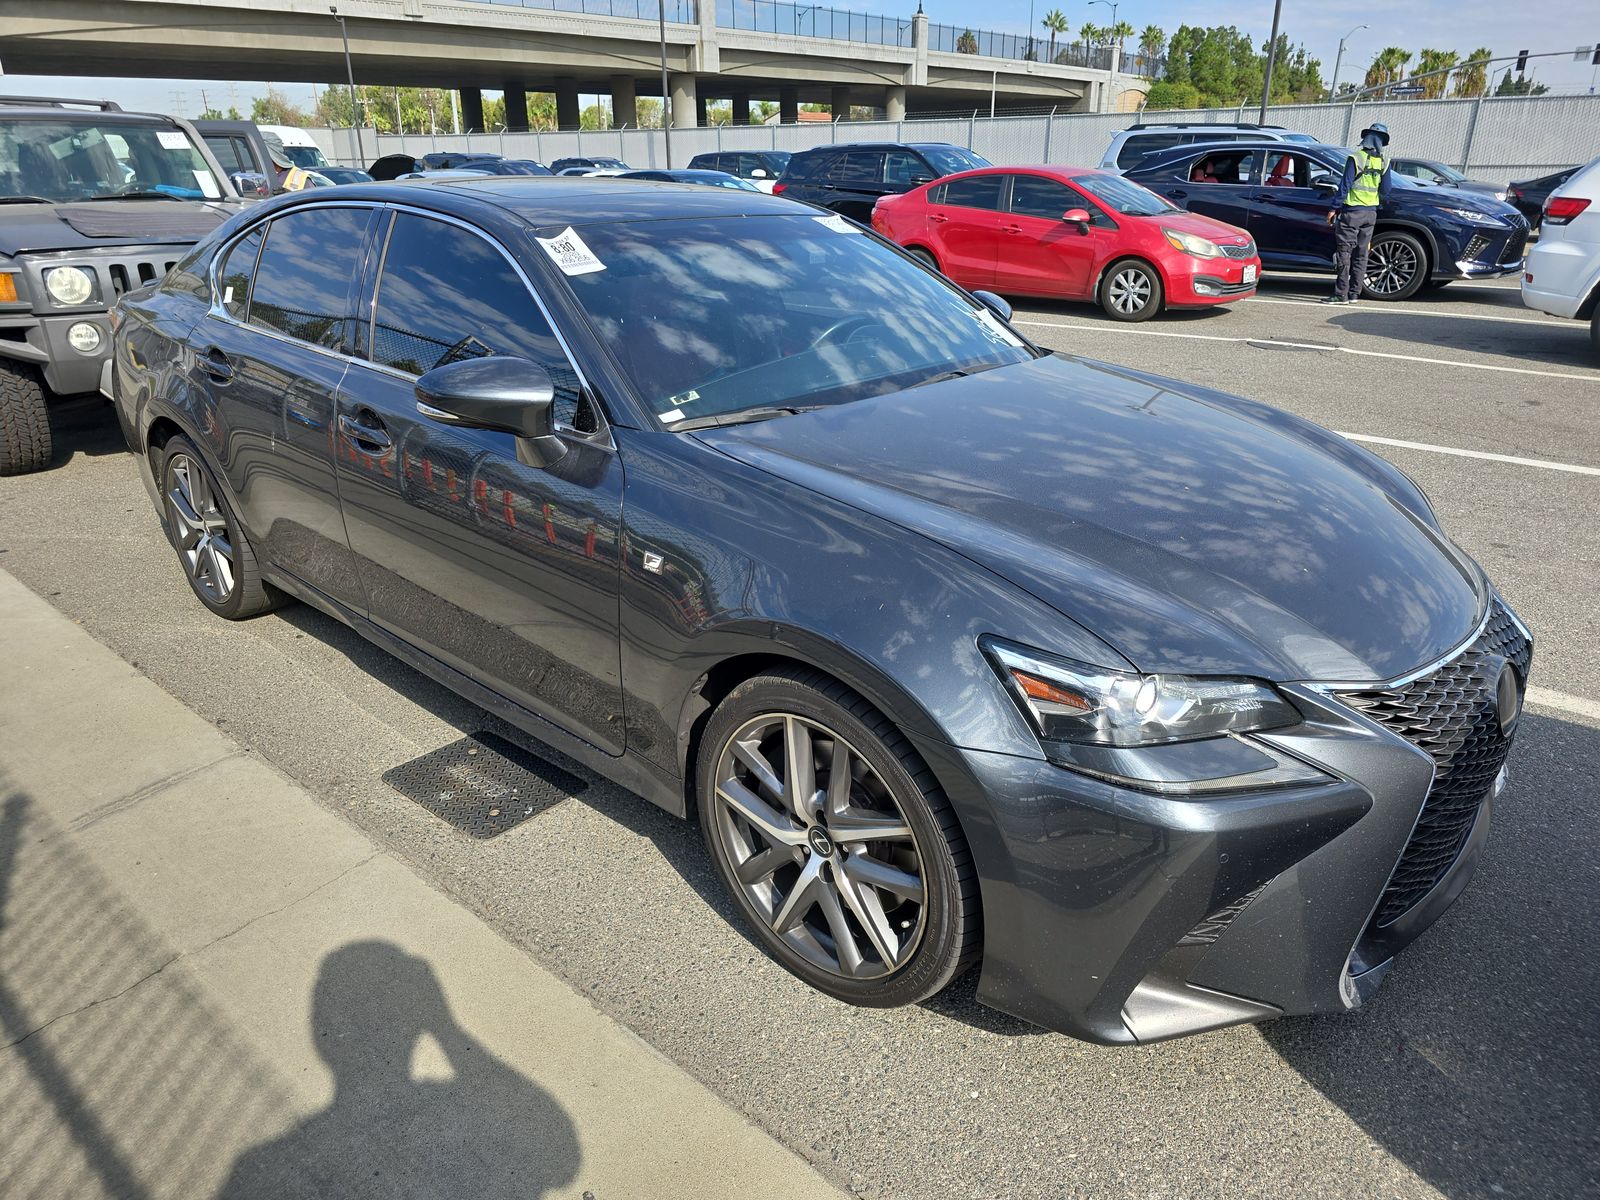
<point x="1071" y="234"/>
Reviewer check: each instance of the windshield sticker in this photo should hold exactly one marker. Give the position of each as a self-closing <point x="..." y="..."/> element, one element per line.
<point x="683" y="398"/>
<point x="208" y="185"/>
<point x="568" y="251"/>
<point x="172" y="139"/>
<point x="669" y="417"/>
<point x="996" y="328"/>
<point x="227" y="296"/>
<point x="836" y="223"/>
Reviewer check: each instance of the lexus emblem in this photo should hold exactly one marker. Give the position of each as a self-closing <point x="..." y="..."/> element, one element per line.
<point x="1508" y="698"/>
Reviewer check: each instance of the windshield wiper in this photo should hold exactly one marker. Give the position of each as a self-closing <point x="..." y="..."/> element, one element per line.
<point x="139" y="195"/>
<point x="27" y="200"/>
<point x="742" y="416"/>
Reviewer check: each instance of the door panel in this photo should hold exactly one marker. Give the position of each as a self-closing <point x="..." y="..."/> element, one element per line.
<point x="1228" y="199"/>
<point x="1038" y="252"/>
<point x="505" y="570"/>
<point x="275" y="393"/>
<point x="965" y="226"/>
<point x="1289" y="219"/>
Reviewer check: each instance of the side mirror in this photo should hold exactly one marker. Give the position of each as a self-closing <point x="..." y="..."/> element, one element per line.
<point x="1079" y="217"/>
<point x="508" y="394"/>
<point x="249" y="183"/>
<point x="757" y="173"/>
<point x="994" y="304"/>
<point x="1324" y="185"/>
<point x="918" y="178"/>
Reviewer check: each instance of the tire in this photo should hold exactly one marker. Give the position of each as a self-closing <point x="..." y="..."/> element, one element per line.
<point x="212" y="549"/>
<point x="1130" y="290"/>
<point x="1594" y="331"/>
<point x="923" y="257"/>
<point x="840" y="911"/>
<point x="1397" y="266"/>
<point x="25" y="444"/>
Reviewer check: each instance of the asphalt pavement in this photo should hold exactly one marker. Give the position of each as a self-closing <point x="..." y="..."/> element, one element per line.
<point x="1473" y="1073"/>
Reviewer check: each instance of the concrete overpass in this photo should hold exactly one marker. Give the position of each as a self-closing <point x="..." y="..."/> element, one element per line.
<point x="474" y="44"/>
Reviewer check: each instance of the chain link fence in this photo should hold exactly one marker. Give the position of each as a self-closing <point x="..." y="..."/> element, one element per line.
<point x="1497" y="139"/>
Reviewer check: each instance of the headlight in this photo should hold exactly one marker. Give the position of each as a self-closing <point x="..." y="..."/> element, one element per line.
<point x="1164" y="733"/>
<point x="69" y="285"/>
<point x="1079" y="703"/>
<point x="1191" y="244"/>
<point x="1472" y="217"/>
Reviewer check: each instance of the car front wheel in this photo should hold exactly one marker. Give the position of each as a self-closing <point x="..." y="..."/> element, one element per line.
<point x="1397" y="266"/>
<point x="835" y="841"/>
<point x="1131" y="291"/>
<point x="24" y="420"/>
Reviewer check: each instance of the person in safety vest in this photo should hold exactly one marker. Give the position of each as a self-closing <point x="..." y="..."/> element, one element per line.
<point x="1355" y="212"/>
<point x="286" y="176"/>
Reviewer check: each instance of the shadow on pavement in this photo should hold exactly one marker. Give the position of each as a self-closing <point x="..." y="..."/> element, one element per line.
<point x="120" y="1077"/>
<point x="1518" y="339"/>
<point x="83" y="424"/>
<point x="1476" y="1065"/>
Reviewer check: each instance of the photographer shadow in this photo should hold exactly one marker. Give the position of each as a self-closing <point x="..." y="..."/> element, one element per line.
<point x="470" y="1126"/>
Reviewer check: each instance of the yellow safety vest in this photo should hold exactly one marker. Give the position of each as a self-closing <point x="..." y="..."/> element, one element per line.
<point x="1369" y="175"/>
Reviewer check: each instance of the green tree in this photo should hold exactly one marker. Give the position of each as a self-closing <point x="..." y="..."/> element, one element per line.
<point x="1430" y="61"/>
<point x="1472" y="78"/>
<point x="1388" y="67"/>
<point x="1120" y="33"/>
<point x="1519" y="86"/>
<point x="1091" y="34"/>
<point x="1172" y="95"/>
<point x="967" y="43"/>
<point x="1056" y="22"/>
<point x="216" y="114"/>
<point x="1153" y="41"/>
<point x="274" y="109"/>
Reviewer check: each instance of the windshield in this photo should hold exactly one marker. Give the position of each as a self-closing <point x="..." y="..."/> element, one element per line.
<point x="711" y="316"/>
<point x="947" y="160"/>
<point x="308" y="157"/>
<point x="1123" y="195"/>
<point x="1299" y="137"/>
<point x="72" y="158"/>
<point x="1450" y="173"/>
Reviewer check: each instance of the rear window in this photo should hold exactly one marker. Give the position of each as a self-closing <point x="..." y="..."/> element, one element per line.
<point x="980" y="191"/>
<point x="952" y="160"/>
<point x="303" y="280"/>
<point x="806" y="166"/>
<point x="1139" y="145"/>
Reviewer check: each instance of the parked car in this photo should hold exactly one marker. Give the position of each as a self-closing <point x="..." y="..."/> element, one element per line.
<point x="1563" y="272"/>
<point x="240" y="148"/>
<point x="1281" y="195"/>
<point x="1130" y="146"/>
<point x="94" y="201"/>
<point x="1438" y="174"/>
<point x="959" y="650"/>
<point x="392" y="166"/>
<point x="446" y="160"/>
<point x="1529" y="195"/>
<point x="591" y="162"/>
<point x="447" y="173"/>
<point x="343" y="175"/>
<point x="1071" y="234"/>
<point x="705" y="178"/>
<point x="298" y="144"/>
<point x="592" y="172"/>
<point x="760" y="167"/>
<point x="850" y="177"/>
<point x="508" y="166"/>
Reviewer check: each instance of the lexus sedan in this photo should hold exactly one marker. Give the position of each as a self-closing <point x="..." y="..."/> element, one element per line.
<point x="1171" y="710"/>
<point x="1071" y="234"/>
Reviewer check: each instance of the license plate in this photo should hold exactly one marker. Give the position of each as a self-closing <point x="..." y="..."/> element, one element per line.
<point x="1250" y="273"/>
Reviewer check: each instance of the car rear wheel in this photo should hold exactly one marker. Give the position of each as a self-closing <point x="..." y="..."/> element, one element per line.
<point x="215" y="554"/>
<point x="1131" y="291"/>
<point x="836" y="841"/>
<point x="24" y="421"/>
<point x="1397" y="266"/>
<point x="923" y="257"/>
<point x="1594" y="331"/>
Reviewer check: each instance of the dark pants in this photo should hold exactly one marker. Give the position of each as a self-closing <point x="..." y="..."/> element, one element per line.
<point x="1352" y="238"/>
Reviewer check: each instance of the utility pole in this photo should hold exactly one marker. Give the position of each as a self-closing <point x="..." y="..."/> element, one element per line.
<point x="666" y="93"/>
<point x="350" y="76"/>
<point x="1333" y="87"/>
<point x="1272" y="53"/>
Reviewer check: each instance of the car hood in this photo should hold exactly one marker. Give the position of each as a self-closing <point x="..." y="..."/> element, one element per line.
<point x="28" y="228"/>
<point x="1189" y="530"/>
<point x="1412" y="195"/>
<point x="1200" y="226"/>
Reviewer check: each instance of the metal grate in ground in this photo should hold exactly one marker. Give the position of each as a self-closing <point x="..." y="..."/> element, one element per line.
<point x="483" y="784"/>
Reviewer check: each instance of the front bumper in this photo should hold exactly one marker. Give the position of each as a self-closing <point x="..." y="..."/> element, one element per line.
<point x="43" y="342"/>
<point x="1210" y="281"/>
<point x="1121" y="916"/>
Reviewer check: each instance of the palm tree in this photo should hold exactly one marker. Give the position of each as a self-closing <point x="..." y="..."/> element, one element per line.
<point x="1388" y="67"/>
<point x="1472" y="78"/>
<point x="1090" y="34"/>
<point x="1120" y="32"/>
<point x="1056" y="22"/>
<point x="1153" y="41"/>
<point x="1436" y="60"/>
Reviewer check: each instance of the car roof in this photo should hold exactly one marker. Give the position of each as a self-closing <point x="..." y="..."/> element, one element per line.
<point x="1161" y="157"/>
<point x="59" y="112"/>
<point x="870" y="146"/>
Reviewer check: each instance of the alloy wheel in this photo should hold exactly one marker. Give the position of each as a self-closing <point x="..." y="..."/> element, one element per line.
<point x="1391" y="266"/>
<point x="1129" y="290"/>
<point x="200" y="529"/>
<point x="819" y="846"/>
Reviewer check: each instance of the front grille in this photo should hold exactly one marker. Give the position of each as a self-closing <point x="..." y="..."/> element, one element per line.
<point x="1451" y="714"/>
<point x="1515" y="245"/>
<point x="129" y="273"/>
<point x="1248" y="250"/>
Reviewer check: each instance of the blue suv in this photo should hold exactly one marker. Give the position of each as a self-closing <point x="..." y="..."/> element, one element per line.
<point x="1281" y="194"/>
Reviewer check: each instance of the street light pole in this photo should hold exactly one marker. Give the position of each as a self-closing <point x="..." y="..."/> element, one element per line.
<point x="666" y="94"/>
<point x="1115" y="54"/>
<point x="350" y="76"/>
<point x="1272" y="54"/>
<point x="1333" y="88"/>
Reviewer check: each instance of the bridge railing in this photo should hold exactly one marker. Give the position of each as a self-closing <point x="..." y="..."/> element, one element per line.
<point x="813" y="20"/>
<point x="678" y="12"/>
<point x="963" y="39"/>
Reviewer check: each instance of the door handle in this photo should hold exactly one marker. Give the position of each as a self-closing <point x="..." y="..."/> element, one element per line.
<point x="216" y="364"/>
<point x="1177" y="194"/>
<point x="937" y="219"/>
<point x="359" y="431"/>
<point x="1011" y="229"/>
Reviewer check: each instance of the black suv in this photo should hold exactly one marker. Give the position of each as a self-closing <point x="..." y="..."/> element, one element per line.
<point x="761" y="167"/>
<point x="595" y="162"/>
<point x="93" y="202"/>
<point x="849" y="177"/>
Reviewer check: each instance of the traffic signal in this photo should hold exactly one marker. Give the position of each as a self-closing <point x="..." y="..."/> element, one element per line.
<point x="1596" y="59"/>
<point x="1522" y="61"/>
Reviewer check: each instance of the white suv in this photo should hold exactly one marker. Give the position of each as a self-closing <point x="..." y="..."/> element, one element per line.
<point x="1562" y="275"/>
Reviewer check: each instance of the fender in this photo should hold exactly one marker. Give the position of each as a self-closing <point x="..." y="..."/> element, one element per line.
<point x="1422" y="232"/>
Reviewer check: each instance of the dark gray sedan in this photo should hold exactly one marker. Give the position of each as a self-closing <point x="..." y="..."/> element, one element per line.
<point x="1438" y="174"/>
<point x="1169" y="709"/>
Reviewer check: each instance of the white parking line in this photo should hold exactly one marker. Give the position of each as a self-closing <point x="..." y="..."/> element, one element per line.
<point x="1546" y="463"/>
<point x="1563" y="702"/>
<point x="1424" y="312"/>
<point x="1267" y="341"/>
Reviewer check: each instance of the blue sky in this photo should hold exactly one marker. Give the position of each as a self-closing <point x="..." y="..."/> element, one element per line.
<point x="1461" y="25"/>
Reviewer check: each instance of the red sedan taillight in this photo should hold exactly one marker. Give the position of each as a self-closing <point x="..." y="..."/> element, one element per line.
<point x="1558" y="210"/>
<point x="777" y="188"/>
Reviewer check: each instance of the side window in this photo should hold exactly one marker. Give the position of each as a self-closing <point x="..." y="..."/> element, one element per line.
<point x="1036" y="196"/>
<point x="977" y="191"/>
<point x="1140" y="144"/>
<point x="1232" y="166"/>
<point x="227" y="151"/>
<point x="806" y="167"/>
<point x="446" y="295"/>
<point x="235" y="272"/>
<point x="303" y="280"/>
<point x="1287" y="170"/>
<point x="747" y="166"/>
<point x="858" y="167"/>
